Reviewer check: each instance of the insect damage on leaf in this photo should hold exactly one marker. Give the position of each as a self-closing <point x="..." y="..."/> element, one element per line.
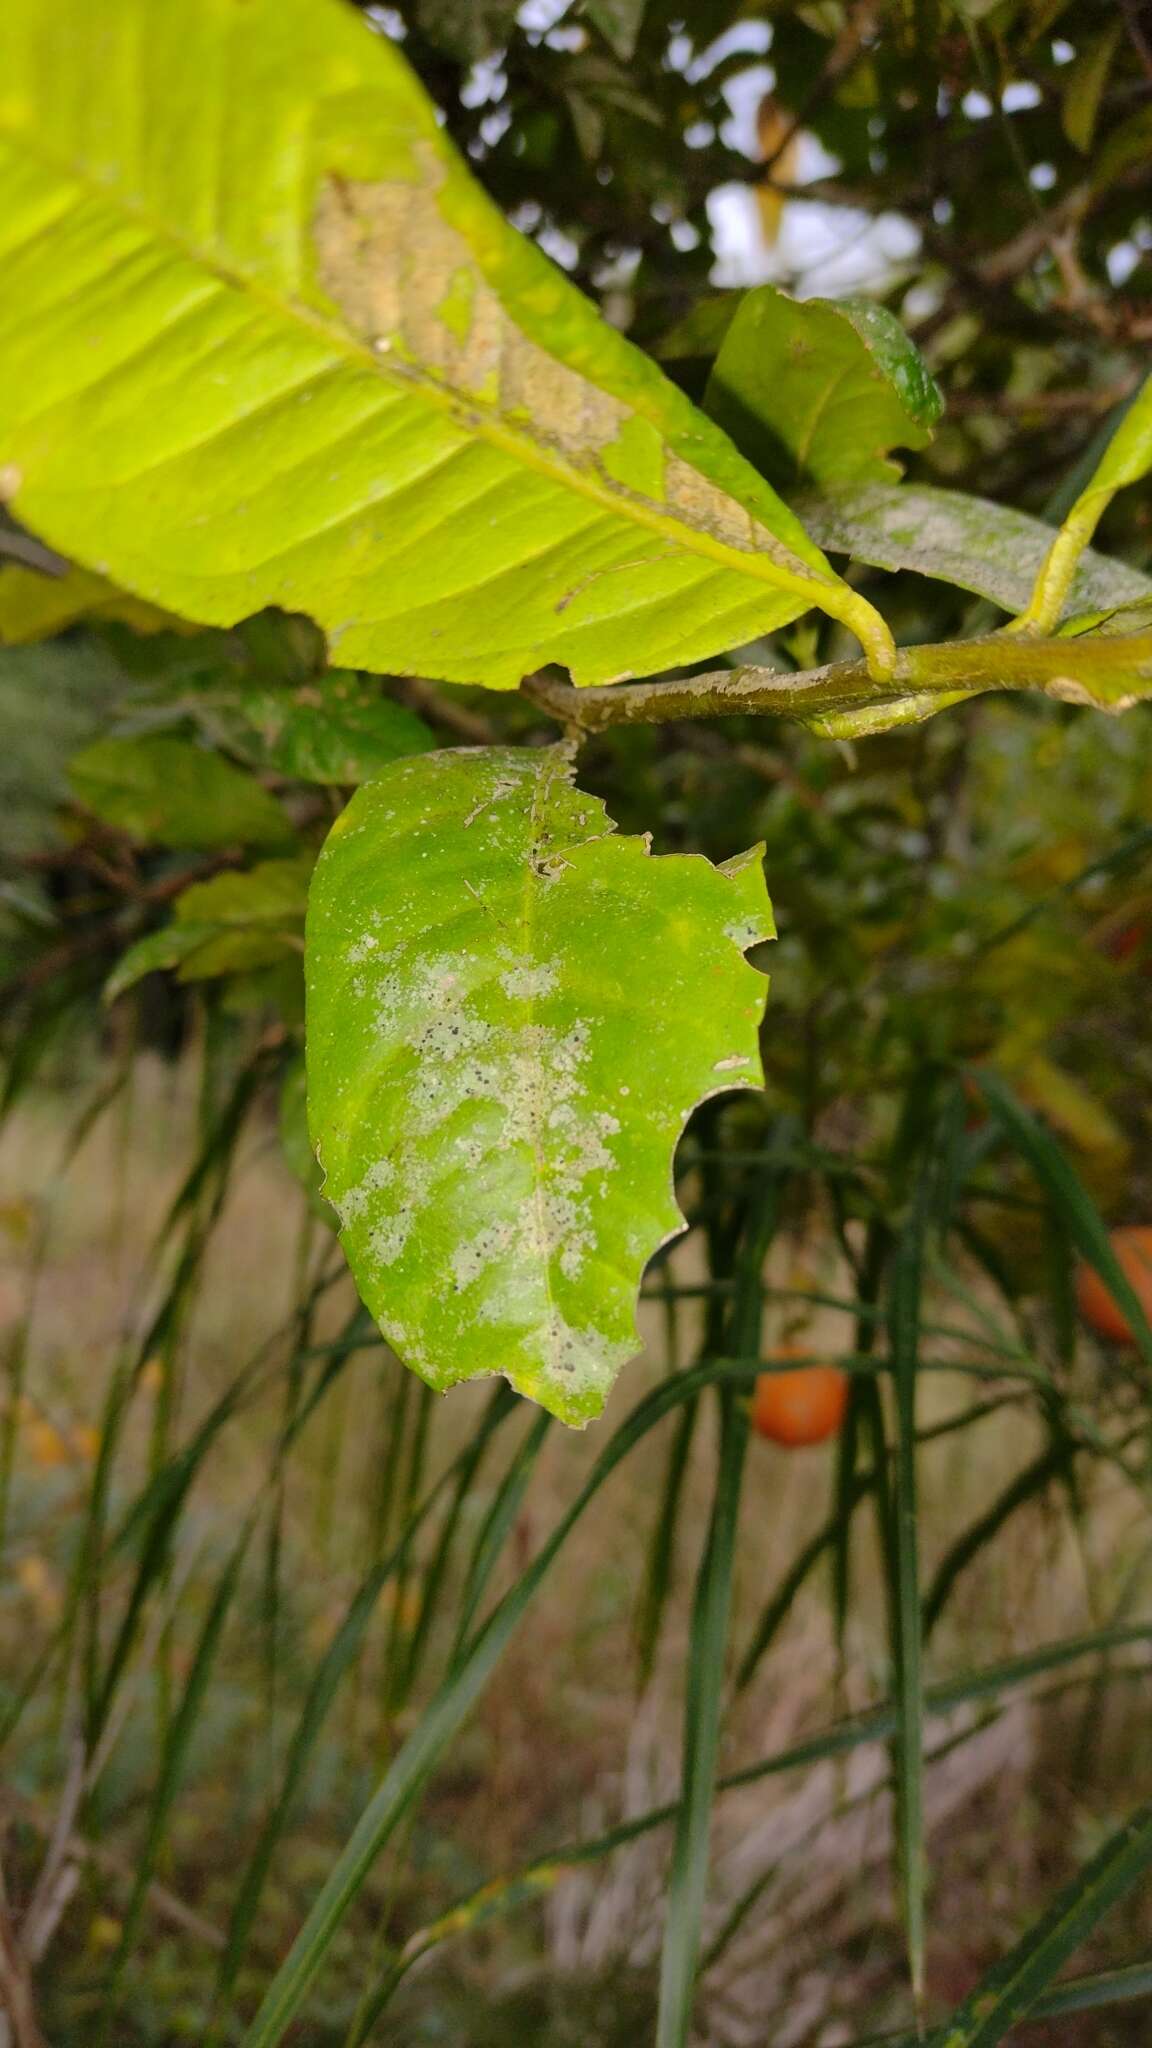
<point x="512" y="1012"/>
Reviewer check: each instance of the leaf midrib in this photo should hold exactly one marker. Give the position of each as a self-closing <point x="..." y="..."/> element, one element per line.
<point x="532" y="885"/>
<point x="468" y="412"/>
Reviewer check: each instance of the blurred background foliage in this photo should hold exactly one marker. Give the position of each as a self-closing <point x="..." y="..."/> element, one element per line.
<point x="970" y="896"/>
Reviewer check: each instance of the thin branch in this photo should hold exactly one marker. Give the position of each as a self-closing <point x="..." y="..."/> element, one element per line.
<point x="16" y="1992"/>
<point x="44" y="1909"/>
<point x="421" y="695"/>
<point x="1111" y="672"/>
<point x="1139" y="34"/>
<point x="165" y="1903"/>
<point x="30" y="554"/>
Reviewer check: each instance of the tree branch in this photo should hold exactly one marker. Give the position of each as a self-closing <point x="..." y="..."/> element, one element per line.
<point x="1111" y="672"/>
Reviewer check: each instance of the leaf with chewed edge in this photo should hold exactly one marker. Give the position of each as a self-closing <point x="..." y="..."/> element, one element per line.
<point x="511" y="1014"/>
<point x="820" y="391"/>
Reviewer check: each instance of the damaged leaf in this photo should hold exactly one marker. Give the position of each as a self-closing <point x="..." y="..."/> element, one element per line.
<point x="511" y="1014"/>
<point x="450" y="460"/>
<point x="818" y="391"/>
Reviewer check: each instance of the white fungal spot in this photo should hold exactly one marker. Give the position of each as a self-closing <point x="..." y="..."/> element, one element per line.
<point x="469" y="1260"/>
<point x="388" y="1239"/>
<point x="352" y="1205"/>
<point x="744" y="932"/>
<point x="528" y="984"/>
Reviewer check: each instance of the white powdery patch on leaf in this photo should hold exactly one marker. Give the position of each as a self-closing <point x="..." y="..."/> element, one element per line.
<point x="498" y="1081"/>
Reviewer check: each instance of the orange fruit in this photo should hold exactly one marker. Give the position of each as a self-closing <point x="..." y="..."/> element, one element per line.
<point x="1132" y="1244"/>
<point x="805" y="1406"/>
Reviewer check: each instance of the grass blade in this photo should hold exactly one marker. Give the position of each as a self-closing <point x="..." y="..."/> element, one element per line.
<point x="321" y="1695"/>
<point x="662" y="1549"/>
<point x="419" y="1755"/>
<point x="1030" y="1484"/>
<point x="1083" y="1221"/>
<point x="688" y="1878"/>
<point x="495" y="1529"/>
<point x="1009" y="1992"/>
<point x="176" y="1748"/>
<point x="780" y="1605"/>
<point x="689" y="1874"/>
<point x="879" y="1724"/>
<point x="904" y="1564"/>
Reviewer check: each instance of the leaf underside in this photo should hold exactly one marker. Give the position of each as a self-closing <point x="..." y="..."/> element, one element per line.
<point x="511" y="1014"/>
<point x="281" y="349"/>
<point x="980" y="546"/>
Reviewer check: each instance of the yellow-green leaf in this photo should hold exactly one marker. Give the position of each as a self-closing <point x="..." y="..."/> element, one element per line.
<point x="264" y="340"/>
<point x="34" y="606"/>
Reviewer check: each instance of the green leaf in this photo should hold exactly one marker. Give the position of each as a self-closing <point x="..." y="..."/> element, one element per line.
<point x="983" y="547"/>
<point x="619" y="23"/>
<point x="273" y="892"/>
<point x="226" y="925"/>
<point x="158" y="788"/>
<point x="155" y="952"/>
<point x="818" y="391"/>
<point x="1084" y="87"/>
<point x="511" y="1014"/>
<point x="34" y="606"/>
<point x="701" y="331"/>
<point x="353" y="390"/>
<point x="335" y="728"/>
<point x="237" y="952"/>
<point x="1121" y="151"/>
<point x="1127" y="458"/>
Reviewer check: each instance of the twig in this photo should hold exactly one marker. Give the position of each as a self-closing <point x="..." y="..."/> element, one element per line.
<point x="1136" y="23"/>
<point x="30" y="554"/>
<point x="1099" y="671"/>
<point x="425" y="696"/>
<point x="167" y="1904"/>
<point x="49" y="1896"/>
<point x="16" y="1981"/>
<point x="840" y="61"/>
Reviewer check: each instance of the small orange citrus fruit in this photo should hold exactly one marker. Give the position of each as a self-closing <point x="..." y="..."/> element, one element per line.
<point x="1132" y="1244"/>
<point x="805" y="1406"/>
